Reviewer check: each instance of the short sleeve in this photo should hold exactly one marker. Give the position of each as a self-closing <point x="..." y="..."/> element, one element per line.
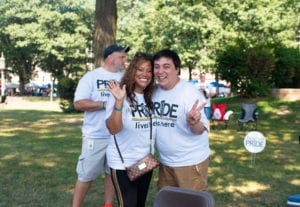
<point x="84" y="88"/>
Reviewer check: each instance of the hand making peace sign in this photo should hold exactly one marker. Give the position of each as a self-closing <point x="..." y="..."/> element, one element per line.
<point x="194" y="115"/>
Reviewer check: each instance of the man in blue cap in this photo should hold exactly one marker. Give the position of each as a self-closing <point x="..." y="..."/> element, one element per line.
<point x="91" y="96"/>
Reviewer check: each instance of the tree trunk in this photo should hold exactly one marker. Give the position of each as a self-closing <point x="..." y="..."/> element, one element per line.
<point x="22" y="81"/>
<point x="190" y="72"/>
<point x="105" y="24"/>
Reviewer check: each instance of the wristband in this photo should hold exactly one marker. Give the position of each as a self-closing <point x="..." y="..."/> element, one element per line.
<point x="118" y="109"/>
<point x="103" y="105"/>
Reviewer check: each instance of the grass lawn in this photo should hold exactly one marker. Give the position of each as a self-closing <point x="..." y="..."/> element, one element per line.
<point x="39" y="151"/>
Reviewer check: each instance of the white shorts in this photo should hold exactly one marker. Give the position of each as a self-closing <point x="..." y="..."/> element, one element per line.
<point x="92" y="161"/>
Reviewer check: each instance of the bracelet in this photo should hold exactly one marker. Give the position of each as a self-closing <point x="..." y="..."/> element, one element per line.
<point x="118" y="109"/>
<point x="103" y="105"/>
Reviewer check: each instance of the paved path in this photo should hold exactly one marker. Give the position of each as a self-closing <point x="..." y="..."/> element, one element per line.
<point x="21" y="103"/>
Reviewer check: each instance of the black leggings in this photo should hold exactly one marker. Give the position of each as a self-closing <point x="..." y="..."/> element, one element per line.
<point x="130" y="194"/>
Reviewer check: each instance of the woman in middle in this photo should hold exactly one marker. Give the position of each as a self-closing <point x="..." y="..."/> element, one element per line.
<point x="128" y="118"/>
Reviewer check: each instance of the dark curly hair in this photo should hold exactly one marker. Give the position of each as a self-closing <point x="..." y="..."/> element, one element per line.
<point x="128" y="80"/>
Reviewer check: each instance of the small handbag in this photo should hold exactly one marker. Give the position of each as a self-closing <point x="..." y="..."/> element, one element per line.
<point x="143" y="166"/>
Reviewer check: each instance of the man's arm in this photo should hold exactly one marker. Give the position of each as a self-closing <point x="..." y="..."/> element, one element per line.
<point x="211" y="91"/>
<point x="193" y="118"/>
<point x="88" y="105"/>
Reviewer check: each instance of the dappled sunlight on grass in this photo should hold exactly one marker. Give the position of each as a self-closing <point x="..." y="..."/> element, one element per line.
<point x="10" y="131"/>
<point x="38" y="154"/>
<point x="220" y="180"/>
<point x="42" y="161"/>
<point x="44" y="123"/>
<point x="48" y="164"/>
<point x="73" y="120"/>
<point x="29" y="158"/>
<point x="238" y="152"/>
<point x="291" y="167"/>
<point x="39" y="151"/>
<point x="69" y="189"/>
<point x="10" y="156"/>
<point x="295" y="182"/>
<point x="71" y="151"/>
<point x="217" y="158"/>
<point x="7" y="134"/>
<point x="222" y="136"/>
<point x="273" y="106"/>
<point x="279" y="137"/>
<point x="287" y="136"/>
<point x="25" y="163"/>
<point x="248" y="187"/>
<point x="238" y="178"/>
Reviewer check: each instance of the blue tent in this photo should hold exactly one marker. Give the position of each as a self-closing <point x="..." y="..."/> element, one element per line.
<point x="216" y="84"/>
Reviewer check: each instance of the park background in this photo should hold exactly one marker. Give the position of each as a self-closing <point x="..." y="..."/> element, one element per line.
<point x="253" y="45"/>
<point x="40" y="145"/>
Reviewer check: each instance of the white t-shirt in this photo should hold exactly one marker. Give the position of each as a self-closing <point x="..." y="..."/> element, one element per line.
<point x="176" y="144"/>
<point x="134" y="138"/>
<point x="208" y="88"/>
<point x="92" y="86"/>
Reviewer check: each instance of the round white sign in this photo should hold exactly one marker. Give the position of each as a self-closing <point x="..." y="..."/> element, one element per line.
<point x="255" y="142"/>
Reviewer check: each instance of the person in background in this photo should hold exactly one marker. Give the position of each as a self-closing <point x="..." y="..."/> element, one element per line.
<point x="208" y="91"/>
<point x="128" y="118"/>
<point x="181" y="126"/>
<point x="91" y="96"/>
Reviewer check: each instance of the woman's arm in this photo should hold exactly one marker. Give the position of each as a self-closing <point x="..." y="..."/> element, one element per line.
<point x="114" y="122"/>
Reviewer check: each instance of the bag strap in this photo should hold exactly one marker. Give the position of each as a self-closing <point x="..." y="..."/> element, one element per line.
<point x="122" y="159"/>
<point x="118" y="149"/>
<point x="150" y="133"/>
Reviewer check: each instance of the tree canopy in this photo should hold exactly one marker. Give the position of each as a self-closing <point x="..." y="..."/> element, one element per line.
<point x="202" y="31"/>
<point x="55" y="34"/>
<point x="198" y="28"/>
<point x="49" y="34"/>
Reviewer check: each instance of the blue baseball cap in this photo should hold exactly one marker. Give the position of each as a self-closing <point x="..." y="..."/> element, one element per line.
<point x="114" y="48"/>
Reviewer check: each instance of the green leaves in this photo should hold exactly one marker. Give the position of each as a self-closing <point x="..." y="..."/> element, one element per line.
<point x="198" y="29"/>
<point x="187" y="27"/>
<point x="52" y="35"/>
<point x="236" y="37"/>
<point x="248" y="69"/>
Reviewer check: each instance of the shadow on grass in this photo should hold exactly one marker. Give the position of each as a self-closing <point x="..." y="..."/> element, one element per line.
<point x="38" y="154"/>
<point x="38" y="157"/>
<point x="238" y="178"/>
<point x="39" y="151"/>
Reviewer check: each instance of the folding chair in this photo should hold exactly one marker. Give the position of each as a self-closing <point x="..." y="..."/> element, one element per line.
<point x="170" y="196"/>
<point x="249" y="115"/>
<point x="220" y="114"/>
